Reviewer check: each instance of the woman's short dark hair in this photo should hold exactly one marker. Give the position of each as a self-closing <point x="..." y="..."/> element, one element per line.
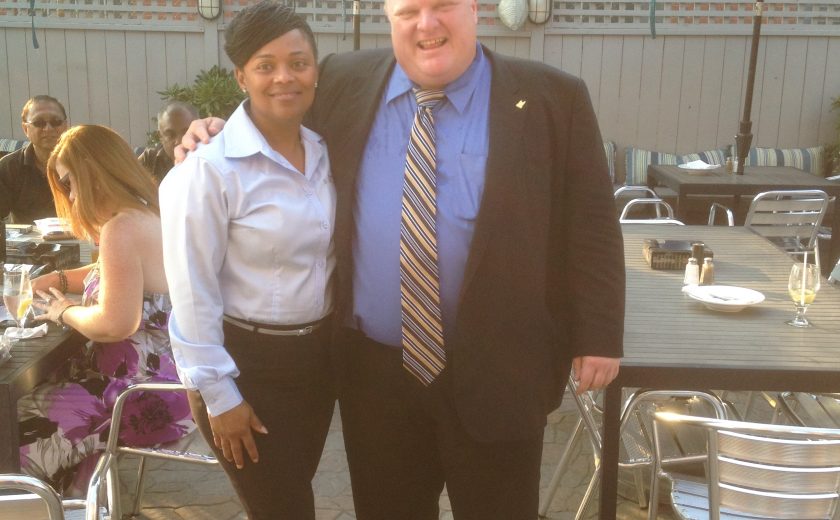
<point x="258" y="24"/>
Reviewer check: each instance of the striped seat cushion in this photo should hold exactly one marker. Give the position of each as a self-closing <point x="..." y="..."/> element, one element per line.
<point x="609" y="150"/>
<point x="10" y="145"/>
<point x="806" y="159"/>
<point x="638" y="160"/>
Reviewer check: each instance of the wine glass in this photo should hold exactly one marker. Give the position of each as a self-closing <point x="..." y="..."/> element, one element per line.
<point x="17" y="294"/>
<point x="803" y="284"/>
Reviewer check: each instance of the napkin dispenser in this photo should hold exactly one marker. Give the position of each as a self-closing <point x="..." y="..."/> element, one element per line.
<point x="55" y="256"/>
<point x="670" y="254"/>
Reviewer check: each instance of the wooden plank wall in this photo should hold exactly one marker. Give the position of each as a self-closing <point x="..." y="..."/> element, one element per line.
<point x="673" y="93"/>
<point x="684" y="94"/>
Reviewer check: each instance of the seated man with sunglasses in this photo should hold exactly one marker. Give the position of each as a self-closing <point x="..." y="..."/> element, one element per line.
<point x="25" y="194"/>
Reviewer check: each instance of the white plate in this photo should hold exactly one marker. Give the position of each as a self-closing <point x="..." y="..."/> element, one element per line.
<point x="724" y="298"/>
<point x="698" y="165"/>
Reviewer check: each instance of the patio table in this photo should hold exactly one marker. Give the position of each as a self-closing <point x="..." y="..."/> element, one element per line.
<point x="32" y="361"/>
<point x="756" y="179"/>
<point x="674" y="342"/>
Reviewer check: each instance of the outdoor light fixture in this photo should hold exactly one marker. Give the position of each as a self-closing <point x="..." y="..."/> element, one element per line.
<point x="539" y="11"/>
<point x="209" y="9"/>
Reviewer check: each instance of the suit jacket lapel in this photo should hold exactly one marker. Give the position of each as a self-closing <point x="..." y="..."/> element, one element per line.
<point x="506" y="154"/>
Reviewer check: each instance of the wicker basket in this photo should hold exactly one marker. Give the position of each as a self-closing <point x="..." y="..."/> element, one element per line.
<point x="670" y="254"/>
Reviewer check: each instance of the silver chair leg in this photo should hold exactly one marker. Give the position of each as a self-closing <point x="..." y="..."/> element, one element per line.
<point x="112" y="491"/>
<point x="593" y="482"/>
<point x="138" y="489"/>
<point x="639" y="482"/>
<point x="561" y="467"/>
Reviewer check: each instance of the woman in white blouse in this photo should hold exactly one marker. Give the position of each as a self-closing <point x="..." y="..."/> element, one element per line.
<point x="248" y="251"/>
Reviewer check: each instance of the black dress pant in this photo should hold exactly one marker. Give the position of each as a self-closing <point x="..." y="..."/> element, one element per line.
<point x="288" y="380"/>
<point x="405" y="441"/>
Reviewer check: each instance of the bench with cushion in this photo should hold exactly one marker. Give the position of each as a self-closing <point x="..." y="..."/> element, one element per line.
<point x="10" y="145"/>
<point x="637" y="161"/>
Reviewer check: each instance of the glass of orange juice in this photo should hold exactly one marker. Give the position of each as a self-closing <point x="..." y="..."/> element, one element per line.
<point x="803" y="284"/>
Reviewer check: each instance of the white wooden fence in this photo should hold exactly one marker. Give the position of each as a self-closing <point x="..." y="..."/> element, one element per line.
<point x="680" y="92"/>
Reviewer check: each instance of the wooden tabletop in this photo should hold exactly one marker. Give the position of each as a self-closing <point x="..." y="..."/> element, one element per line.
<point x="674" y="342"/>
<point x="663" y="327"/>
<point x="32" y="361"/>
<point x="754" y="180"/>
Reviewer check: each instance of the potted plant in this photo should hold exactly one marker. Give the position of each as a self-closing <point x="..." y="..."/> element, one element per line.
<point x="214" y="92"/>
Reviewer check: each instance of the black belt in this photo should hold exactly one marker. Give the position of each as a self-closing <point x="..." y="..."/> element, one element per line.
<point x="277" y="330"/>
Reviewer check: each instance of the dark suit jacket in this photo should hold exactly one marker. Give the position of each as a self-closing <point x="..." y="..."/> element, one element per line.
<point x="544" y="281"/>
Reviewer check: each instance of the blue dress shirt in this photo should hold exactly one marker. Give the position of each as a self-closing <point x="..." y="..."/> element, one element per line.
<point x="462" y="136"/>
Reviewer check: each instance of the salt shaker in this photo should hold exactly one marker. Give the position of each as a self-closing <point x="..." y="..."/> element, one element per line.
<point x="707" y="275"/>
<point x="692" y="272"/>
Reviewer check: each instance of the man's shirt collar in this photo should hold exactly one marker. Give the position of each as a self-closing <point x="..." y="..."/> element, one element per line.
<point x="458" y="92"/>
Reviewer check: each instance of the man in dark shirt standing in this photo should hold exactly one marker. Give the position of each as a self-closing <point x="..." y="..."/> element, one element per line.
<point x="25" y="194"/>
<point x="173" y="120"/>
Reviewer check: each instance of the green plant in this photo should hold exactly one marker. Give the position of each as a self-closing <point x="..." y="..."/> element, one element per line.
<point x="214" y="92"/>
<point x="832" y="151"/>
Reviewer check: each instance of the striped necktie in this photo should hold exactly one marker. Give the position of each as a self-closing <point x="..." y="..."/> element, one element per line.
<point x="422" y="324"/>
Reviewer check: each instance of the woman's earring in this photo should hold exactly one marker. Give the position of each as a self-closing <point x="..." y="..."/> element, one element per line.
<point x="244" y="90"/>
<point x="316" y="84"/>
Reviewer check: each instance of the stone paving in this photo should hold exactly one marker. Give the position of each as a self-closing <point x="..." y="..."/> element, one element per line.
<point x="176" y="491"/>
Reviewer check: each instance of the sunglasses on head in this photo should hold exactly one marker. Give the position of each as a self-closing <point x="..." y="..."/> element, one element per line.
<point x="41" y="123"/>
<point x="64" y="183"/>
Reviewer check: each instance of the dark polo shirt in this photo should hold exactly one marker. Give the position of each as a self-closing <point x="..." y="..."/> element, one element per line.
<point x="157" y="162"/>
<point x="25" y="194"/>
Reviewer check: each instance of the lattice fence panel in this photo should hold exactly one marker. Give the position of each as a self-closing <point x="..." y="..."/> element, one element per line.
<point x="733" y="16"/>
<point x="581" y="14"/>
<point x="320" y="13"/>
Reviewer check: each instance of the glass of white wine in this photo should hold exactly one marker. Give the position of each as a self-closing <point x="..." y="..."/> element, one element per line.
<point x="803" y="284"/>
<point x="17" y="294"/>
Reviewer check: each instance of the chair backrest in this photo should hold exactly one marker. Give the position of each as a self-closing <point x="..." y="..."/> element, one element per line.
<point x="834" y="277"/>
<point x="644" y="190"/>
<point x="790" y="218"/>
<point x="807" y="409"/>
<point x="770" y="471"/>
<point x="664" y="211"/>
<point x="635" y="435"/>
<point x="22" y="506"/>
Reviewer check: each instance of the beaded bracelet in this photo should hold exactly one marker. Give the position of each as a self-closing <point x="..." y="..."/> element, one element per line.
<point x="62" y="281"/>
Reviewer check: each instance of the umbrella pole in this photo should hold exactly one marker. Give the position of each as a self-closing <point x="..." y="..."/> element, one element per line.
<point x="744" y="138"/>
<point x="357" y="24"/>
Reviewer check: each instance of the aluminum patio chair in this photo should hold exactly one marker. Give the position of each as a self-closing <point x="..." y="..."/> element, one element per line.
<point x="40" y="501"/>
<point x="636" y="442"/>
<point x="755" y="471"/>
<point x="106" y="472"/>
<point x="790" y="219"/>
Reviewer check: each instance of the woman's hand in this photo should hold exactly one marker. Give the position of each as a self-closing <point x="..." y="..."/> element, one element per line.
<point x="43" y="283"/>
<point x="53" y="306"/>
<point x="232" y="432"/>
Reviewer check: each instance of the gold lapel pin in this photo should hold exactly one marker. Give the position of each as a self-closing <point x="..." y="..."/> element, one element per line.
<point x="520" y="104"/>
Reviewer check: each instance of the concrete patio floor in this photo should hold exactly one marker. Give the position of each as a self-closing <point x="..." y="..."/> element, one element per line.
<point x="176" y="491"/>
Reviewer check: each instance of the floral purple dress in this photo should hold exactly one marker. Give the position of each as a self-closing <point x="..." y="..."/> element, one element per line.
<point x="64" y="423"/>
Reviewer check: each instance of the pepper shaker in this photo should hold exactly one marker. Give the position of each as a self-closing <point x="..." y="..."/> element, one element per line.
<point x="707" y="276"/>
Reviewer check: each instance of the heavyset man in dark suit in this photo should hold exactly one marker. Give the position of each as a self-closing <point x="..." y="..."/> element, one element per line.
<point x="542" y="283"/>
<point x="530" y="257"/>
